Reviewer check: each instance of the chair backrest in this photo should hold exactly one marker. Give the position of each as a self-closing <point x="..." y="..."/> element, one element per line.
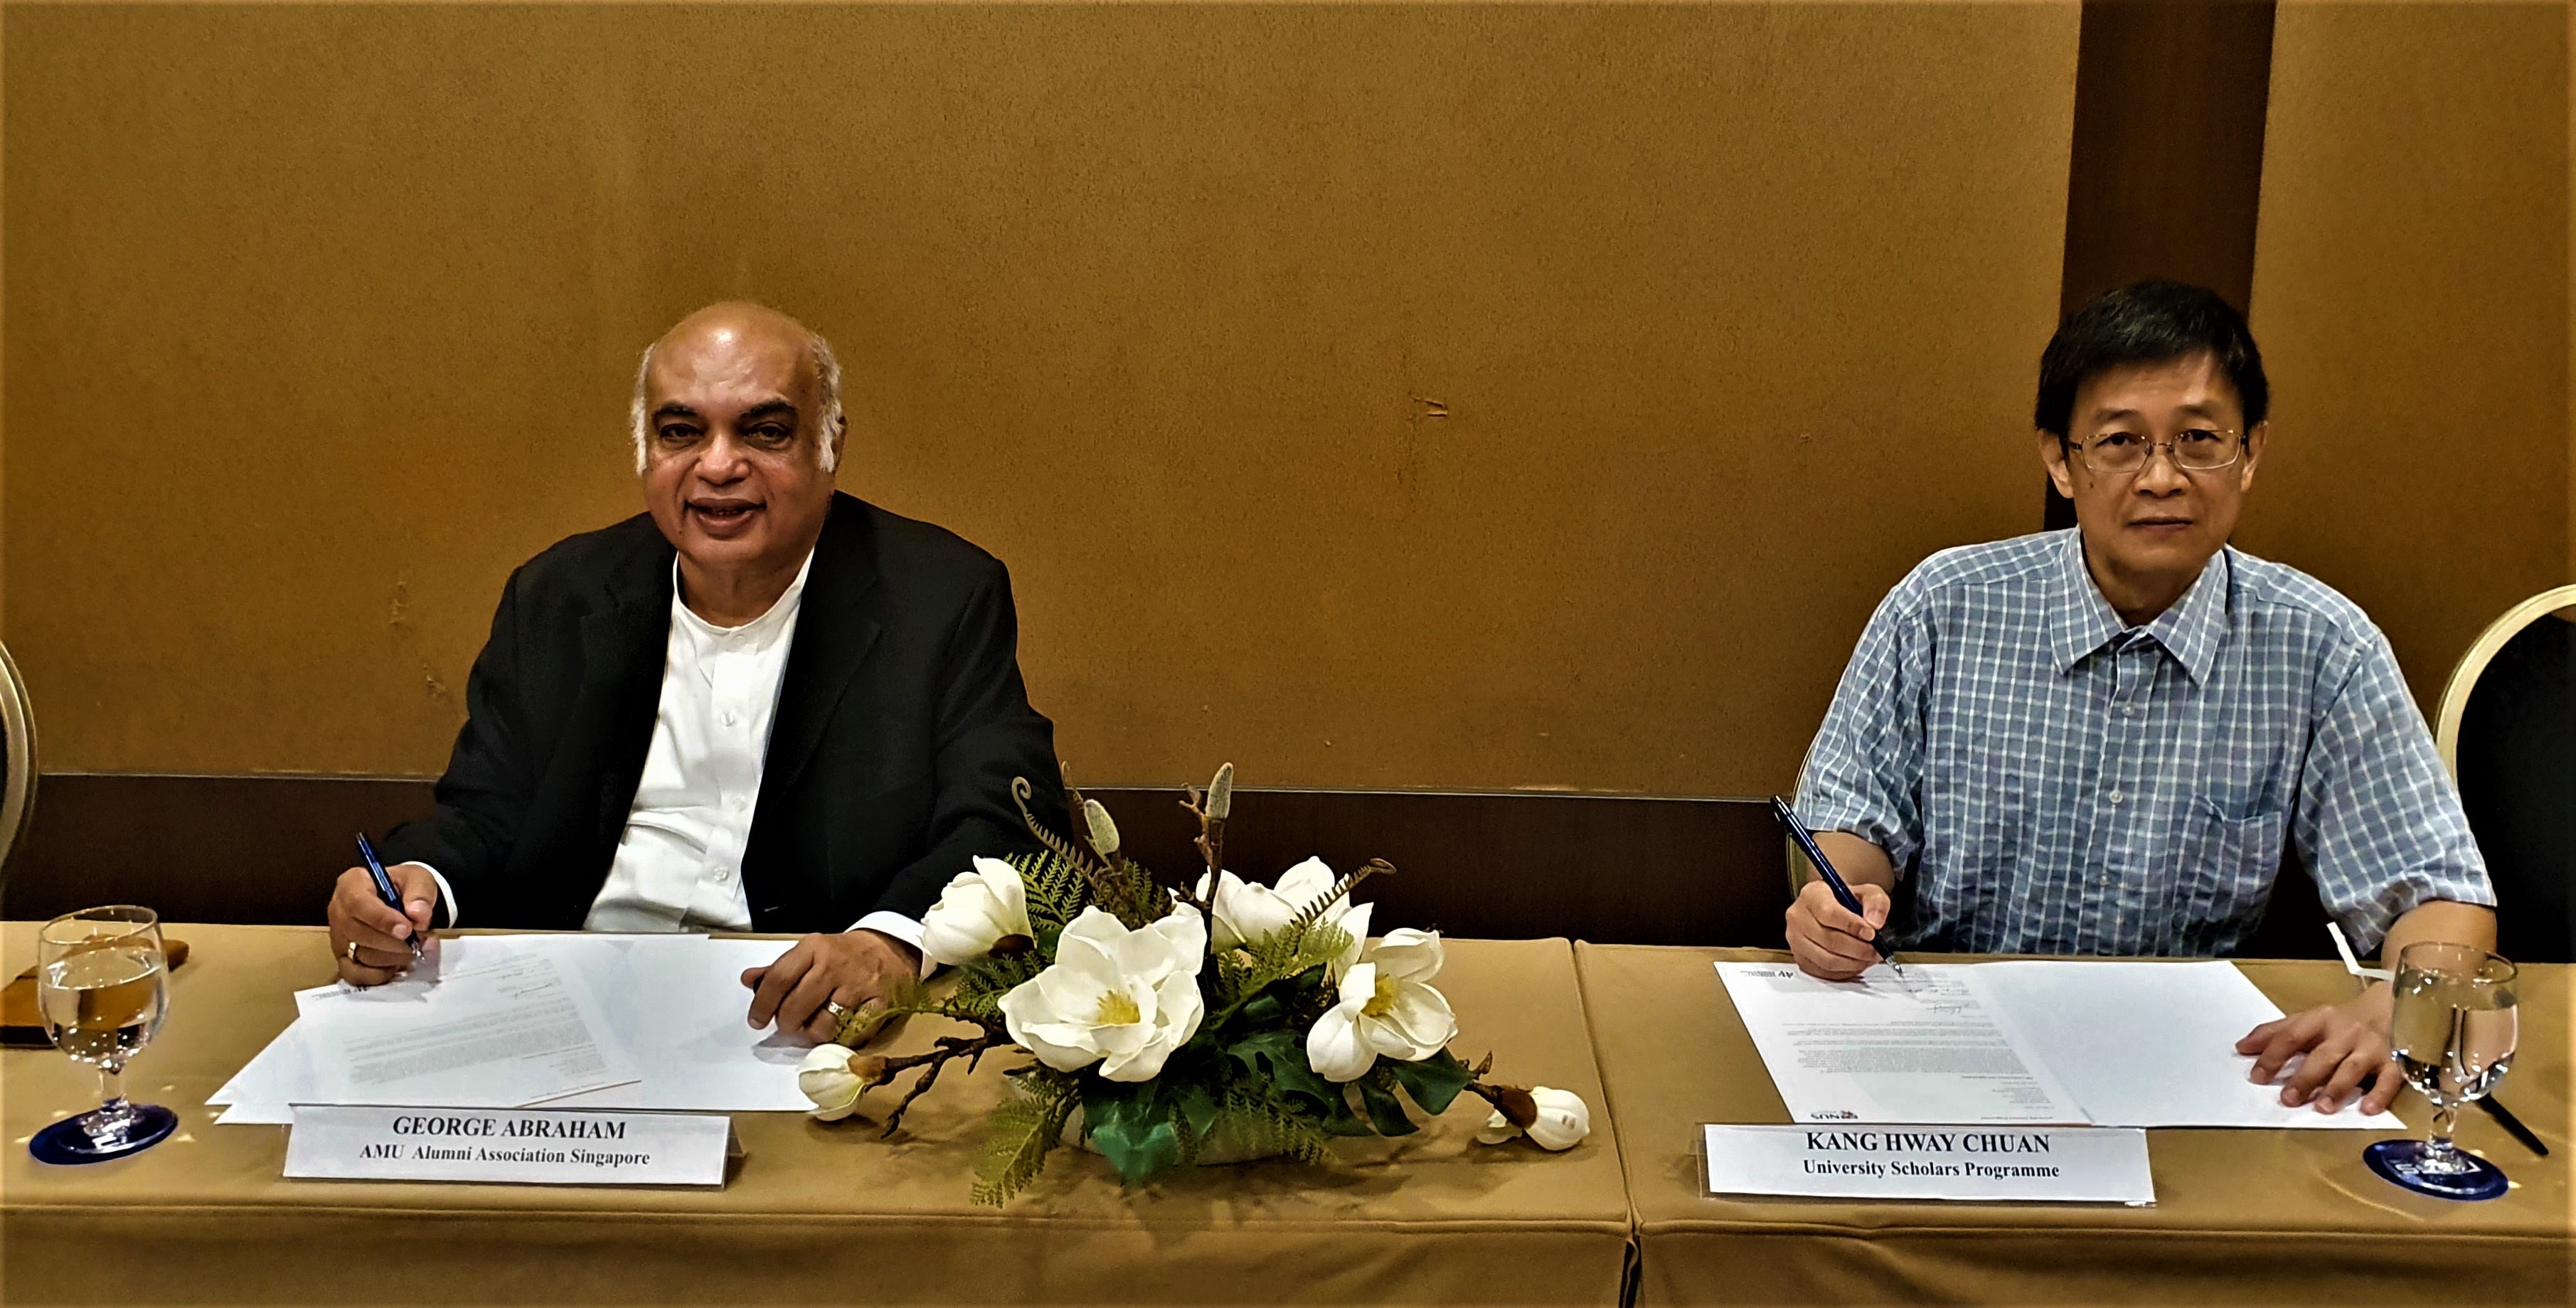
<point x="2473" y="665"/>
<point x="2507" y="731"/>
<point x="17" y="760"/>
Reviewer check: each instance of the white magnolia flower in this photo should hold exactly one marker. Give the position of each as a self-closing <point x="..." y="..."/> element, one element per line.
<point x="834" y="1077"/>
<point x="985" y="903"/>
<point x="1248" y="910"/>
<point x="1123" y="999"/>
<point x="1563" y="1121"/>
<point x="1387" y="1008"/>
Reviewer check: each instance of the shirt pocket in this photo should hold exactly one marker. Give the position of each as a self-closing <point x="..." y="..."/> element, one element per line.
<point x="2228" y="867"/>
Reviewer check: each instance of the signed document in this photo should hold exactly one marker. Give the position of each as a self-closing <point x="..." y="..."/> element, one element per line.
<point x="568" y="1021"/>
<point x="2033" y="1042"/>
<point x="499" y="1027"/>
<point x="1926" y="1049"/>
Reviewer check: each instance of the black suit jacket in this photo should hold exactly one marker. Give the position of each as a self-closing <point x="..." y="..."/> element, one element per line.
<point x="901" y="722"/>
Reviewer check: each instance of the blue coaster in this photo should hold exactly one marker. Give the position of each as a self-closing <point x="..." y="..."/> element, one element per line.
<point x="2400" y="1162"/>
<point x="68" y="1141"/>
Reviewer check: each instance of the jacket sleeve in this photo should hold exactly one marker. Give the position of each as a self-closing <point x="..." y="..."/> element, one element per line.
<point x="987" y="736"/>
<point x="490" y="780"/>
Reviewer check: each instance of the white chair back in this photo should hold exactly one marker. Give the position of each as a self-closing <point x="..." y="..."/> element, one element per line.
<point x="17" y="759"/>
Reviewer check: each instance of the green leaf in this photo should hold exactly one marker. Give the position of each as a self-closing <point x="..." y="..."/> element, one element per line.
<point x="1131" y="1127"/>
<point x="1279" y="1057"/>
<point x="1385" y="1111"/>
<point x="1433" y="1082"/>
<point x="1197" y="1107"/>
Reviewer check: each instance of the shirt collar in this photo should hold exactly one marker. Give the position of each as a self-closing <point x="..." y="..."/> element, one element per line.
<point x="778" y="615"/>
<point x="2081" y="621"/>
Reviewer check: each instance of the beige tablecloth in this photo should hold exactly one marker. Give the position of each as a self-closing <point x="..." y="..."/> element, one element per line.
<point x="2253" y="1217"/>
<point x="815" y="1213"/>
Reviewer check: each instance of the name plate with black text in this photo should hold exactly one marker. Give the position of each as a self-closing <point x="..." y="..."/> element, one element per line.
<point x="1973" y="1164"/>
<point x="524" y="1146"/>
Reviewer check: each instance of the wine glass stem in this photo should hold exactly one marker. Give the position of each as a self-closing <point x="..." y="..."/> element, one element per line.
<point x="112" y="1105"/>
<point x="2438" y="1150"/>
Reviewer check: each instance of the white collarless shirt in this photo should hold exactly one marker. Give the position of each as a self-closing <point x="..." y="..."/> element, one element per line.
<point x="679" y="861"/>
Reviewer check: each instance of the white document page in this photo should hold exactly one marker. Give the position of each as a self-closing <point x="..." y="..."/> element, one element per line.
<point x="2152" y="1044"/>
<point x="671" y="1005"/>
<point x="1878" y="1049"/>
<point x="501" y="1026"/>
<point x="678" y="1003"/>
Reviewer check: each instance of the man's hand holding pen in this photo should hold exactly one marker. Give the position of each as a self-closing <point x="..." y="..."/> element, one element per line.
<point x="1831" y="941"/>
<point x="370" y="941"/>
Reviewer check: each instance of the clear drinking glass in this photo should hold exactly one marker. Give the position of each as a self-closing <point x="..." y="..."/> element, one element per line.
<point x="2453" y="1028"/>
<point x="101" y="985"/>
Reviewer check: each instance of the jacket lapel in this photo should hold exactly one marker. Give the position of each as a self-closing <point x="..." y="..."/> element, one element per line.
<point x="624" y="646"/>
<point x="833" y="636"/>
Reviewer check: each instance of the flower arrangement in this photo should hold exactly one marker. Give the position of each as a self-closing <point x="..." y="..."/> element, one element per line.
<point x="1167" y="1025"/>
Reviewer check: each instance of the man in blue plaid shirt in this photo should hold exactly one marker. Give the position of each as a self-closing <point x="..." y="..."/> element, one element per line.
<point x="2099" y="741"/>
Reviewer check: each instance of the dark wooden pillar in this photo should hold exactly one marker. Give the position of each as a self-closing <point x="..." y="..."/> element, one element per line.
<point x="2168" y="154"/>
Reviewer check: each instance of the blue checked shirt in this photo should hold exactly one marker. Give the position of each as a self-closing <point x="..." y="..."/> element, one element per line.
<point x="2055" y="783"/>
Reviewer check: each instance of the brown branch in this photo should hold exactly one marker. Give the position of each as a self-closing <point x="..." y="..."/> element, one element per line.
<point x="946" y="1049"/>
<point x="1204" y="903"/>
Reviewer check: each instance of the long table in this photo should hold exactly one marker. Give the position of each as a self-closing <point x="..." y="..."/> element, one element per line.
<point x="2254" y="1217"/>
<point x="834" y="1213"/>
<point x="815" y="1213"/>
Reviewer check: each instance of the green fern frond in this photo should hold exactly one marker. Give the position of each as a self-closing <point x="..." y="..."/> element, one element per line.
<point x="1266" y="1124"/>
<point x="1024" y="1128"/>
<point x="982" y="982"/>
<point x="1054" y="886"/>
<point x="1280" y="956"/>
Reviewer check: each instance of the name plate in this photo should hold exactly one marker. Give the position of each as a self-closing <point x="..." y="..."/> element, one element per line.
<point x="526" y="1146"/>
<point x="1974" y="1164"/>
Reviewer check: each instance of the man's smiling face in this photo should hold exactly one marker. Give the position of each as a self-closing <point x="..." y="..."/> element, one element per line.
<point x="2161" y="521"/>
<point x="733" y="470"/>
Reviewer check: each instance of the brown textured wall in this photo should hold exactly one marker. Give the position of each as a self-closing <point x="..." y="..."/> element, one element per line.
<point x="1375" y="395"/>
<point x="2411" y="297"/>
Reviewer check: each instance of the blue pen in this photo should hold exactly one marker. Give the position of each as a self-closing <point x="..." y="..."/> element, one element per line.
<point x="1825" y="867"/>
<point x="393" y="898"/>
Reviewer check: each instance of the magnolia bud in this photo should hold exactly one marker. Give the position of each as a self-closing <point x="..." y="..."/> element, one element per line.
<point x="834" y="1078"/>
<point x="1104" y="833"/>
<point x="1563" y="1119"/>
<point x="1220" y="796"/>
<point x="1559" y="1119"/>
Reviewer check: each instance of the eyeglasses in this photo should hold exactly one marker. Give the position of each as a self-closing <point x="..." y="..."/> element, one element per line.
<point x="2197" y="449"/>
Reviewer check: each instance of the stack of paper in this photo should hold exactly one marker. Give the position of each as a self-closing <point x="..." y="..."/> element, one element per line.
<point x="2105" y="1043"/>
<point x="592" y="1021"/>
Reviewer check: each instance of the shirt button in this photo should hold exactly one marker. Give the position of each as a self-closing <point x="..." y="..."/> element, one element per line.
<point x="728" y="719"/>
<point x="739" y="803"/>
<point x="720" y="875"/>
<point x="2128" y="710"/>
<point x="2116" y="797"/>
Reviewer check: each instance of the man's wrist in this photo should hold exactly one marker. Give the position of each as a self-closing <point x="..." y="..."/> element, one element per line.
<point x="2374" y="1005"/>
<point x="911" y="952"/>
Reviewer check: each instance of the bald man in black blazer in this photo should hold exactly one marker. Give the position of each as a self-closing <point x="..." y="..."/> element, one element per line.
<point x="762" y="704"/>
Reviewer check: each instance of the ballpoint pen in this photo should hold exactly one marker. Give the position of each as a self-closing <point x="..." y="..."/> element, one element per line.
<point x="1833" y="880"/>
<point x="2513" y="1125"/>
<point x="385" y="887"/>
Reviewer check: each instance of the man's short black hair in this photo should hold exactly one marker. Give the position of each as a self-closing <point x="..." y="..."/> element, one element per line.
<point x="2153" y="321"/>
